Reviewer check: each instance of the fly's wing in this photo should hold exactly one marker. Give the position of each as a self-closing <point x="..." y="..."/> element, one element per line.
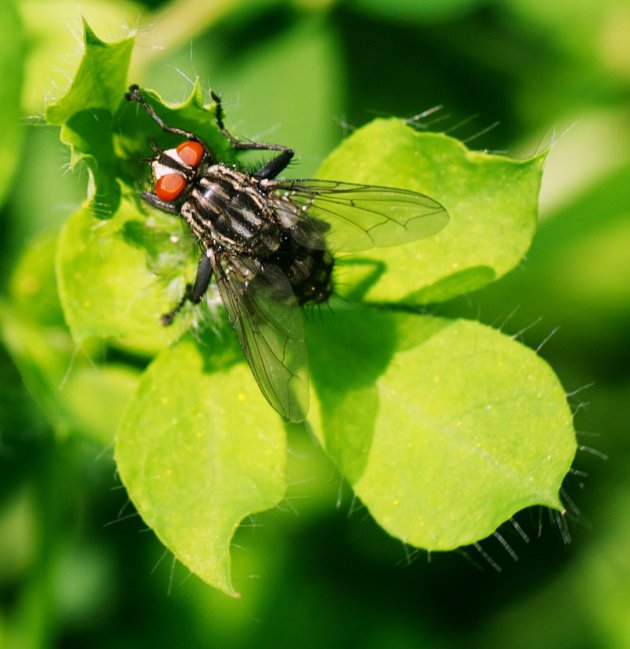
<point x="268" y="323"/>
<point x="359" y="216"/>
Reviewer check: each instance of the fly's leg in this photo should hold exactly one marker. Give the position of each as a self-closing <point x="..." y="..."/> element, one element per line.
<point x="270" y="169"/>
<point x="194" y="292"/>
<point x="152" y="199"/>
<point x="134" y="94"/>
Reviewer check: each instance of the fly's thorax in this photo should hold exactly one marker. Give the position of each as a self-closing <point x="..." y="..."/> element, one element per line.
<point x="230" y="208"/>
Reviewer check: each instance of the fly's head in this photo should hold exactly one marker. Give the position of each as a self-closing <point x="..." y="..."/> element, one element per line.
<point x="174" y="170"/>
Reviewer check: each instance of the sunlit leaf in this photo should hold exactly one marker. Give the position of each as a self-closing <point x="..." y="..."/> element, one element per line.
<point x="444" y="428"/>
<point x="492" y="202"/>
<point x="106" y="284"/>
<point x="86" y="115"/>
<point x="198" y="451"/>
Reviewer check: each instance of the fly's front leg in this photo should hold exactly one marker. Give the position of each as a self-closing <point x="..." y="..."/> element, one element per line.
<point x="134" y="94"/>
<point x="270" y="169"/>
<point x="194" y="292"/>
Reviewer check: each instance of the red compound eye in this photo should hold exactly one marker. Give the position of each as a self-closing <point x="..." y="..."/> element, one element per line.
<point x="169" y="187"/>
<point x="190" y="153"/>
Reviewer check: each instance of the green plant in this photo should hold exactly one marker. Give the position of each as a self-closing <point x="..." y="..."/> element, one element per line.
<point x="443" y="427"/>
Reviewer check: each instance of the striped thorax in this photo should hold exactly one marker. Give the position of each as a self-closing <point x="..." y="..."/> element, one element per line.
<point x="228" y="208"/>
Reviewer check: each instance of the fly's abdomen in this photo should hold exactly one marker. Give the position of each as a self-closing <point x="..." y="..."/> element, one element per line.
<point x="309" y="272"/>
<point x="316" y="284"/>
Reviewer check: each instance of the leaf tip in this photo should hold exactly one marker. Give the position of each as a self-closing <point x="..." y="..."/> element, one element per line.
<point x="89" y="37"/>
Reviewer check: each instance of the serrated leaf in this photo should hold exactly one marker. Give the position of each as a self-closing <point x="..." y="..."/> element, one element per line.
<point x="54" y="29"/>
<point x="105" y="132"/>
<point x="11" y="60"/>
<point x="86" y="115"/>
<point x="99" y="82"/>
<point x="444" y="428"/>
<point x="492" y="202"/>
<point x="199" y="450"/>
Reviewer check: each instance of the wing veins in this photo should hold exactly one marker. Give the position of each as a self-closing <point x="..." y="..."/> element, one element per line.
<point x="265" y="340"/>
<point x="401" y="214"/>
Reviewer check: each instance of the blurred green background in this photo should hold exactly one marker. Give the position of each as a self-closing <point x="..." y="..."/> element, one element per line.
<point x="77" y="567"/>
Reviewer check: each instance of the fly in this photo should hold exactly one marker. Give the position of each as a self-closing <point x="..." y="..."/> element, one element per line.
<point x="267" y="242"/>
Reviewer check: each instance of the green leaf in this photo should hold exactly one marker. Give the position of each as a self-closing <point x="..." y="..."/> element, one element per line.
<point x="53" y="30"/>
<point x="492" y="202"/>
<point x="99" y="82"/>
<point x="86" y="115"/>
<point x="199" y="450"/>
<point x="444" y="428"/>
<point x="117" y="277"/>
<point x="105" y="132"/>
<point x="11" y="62"/>
<point x="441" y="426"/>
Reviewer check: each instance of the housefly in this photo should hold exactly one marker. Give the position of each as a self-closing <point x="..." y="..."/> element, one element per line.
<point x="268" y="242"/>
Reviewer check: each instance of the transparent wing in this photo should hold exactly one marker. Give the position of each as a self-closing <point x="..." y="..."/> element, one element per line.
<point x="359" y="216"/>
<point x="268" y="323"/>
